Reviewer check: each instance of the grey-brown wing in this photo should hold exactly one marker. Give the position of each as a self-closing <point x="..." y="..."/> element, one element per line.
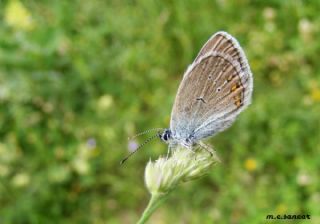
<point x="223" y="42"/>
<point x="214" y="89"/>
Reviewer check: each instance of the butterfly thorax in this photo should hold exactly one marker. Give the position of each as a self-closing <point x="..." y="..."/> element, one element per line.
<point x="170" y="138"/>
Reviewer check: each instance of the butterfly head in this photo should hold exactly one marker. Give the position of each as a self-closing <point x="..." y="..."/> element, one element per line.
<point x="166" y="135"/>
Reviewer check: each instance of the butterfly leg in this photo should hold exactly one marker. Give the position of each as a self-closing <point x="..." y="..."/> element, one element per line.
<point x="169" y="152"/>
<point x="209" y="149"/>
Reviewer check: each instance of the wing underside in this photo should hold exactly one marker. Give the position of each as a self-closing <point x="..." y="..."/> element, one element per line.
<point x="216" y="87"/>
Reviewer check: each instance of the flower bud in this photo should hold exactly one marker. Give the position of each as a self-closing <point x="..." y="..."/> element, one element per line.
<point x="165" y="174"/>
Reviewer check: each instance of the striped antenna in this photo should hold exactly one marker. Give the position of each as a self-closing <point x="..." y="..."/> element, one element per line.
<point x="145" y="132"/>
<point x="139" y="147"/>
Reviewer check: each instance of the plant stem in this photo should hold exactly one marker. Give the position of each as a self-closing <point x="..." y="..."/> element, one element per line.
<point x="155" y="201"/>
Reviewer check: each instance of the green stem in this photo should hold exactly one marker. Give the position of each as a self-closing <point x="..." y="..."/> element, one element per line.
<point x="156" y="200"/>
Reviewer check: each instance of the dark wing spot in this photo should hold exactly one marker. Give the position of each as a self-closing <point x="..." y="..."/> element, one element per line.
<point x="200" y="98"/>
<point x="186" y="109"/>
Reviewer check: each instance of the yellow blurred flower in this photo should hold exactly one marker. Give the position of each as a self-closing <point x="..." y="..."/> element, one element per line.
<point x="305" y="28"/>
<point x="4" y="170"/>
<point x="269" y="13"/>
<point x="250" y="164"/>
<point x="17" y="16"/>
<point x="80" y="163"/>
<point x="281" y="209"/>
<point x="105" y="102"/>
<point x="315" y="94"/>
<point x="81" y="166"/>
<point x="21" y="180"/>
<point x="304" y="179"/>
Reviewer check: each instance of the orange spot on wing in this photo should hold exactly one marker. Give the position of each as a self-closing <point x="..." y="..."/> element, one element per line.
<point x="238" y="103"/>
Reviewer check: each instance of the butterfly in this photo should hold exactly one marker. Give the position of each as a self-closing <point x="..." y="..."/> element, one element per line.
<point x="214" y="90"/>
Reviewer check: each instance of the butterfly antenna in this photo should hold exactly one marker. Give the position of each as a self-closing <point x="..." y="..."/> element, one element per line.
<point x="139" y="147"/>
<point x="145" y="132"/>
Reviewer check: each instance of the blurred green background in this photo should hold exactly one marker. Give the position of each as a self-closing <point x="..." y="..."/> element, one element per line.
<point x="78" y="77"/>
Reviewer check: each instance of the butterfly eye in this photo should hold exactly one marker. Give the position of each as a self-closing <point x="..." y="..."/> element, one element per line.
<point x="165" y="137"/>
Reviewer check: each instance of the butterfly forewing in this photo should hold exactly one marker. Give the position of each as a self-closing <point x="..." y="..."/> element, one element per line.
<point x="214" y="90"/>
<point x="224" y="43"/>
